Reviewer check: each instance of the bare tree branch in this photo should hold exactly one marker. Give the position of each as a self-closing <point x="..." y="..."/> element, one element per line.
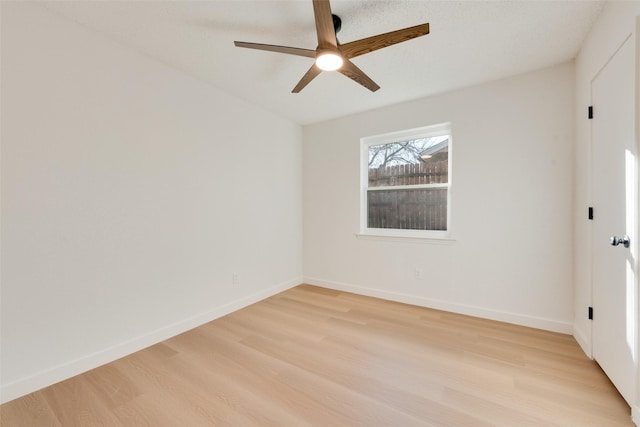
<point x="398" y="153"/>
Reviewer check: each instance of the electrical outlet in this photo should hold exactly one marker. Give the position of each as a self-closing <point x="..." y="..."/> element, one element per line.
<point x="234" y="279"/>
<point x="417" y="273"/>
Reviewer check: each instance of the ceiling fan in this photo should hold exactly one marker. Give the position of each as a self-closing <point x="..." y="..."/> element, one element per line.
<point x="330" y="55"/>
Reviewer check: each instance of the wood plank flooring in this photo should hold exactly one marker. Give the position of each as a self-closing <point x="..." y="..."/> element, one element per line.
<point x="317" y="357"/>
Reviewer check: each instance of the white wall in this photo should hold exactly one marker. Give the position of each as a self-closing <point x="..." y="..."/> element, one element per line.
<point x="617" y="21"/>
<point x="131" y="193"/>
<point x="512" y="187"/>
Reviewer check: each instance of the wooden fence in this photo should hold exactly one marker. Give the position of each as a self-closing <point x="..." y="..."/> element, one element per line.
<point x="417" y="173"/>
<point x="408" y="209"/>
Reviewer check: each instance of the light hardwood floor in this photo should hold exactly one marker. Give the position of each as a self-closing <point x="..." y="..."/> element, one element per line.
<point x="317" y="357"/>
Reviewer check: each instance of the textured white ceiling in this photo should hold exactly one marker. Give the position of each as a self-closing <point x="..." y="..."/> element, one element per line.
<point x="470" y="42"/>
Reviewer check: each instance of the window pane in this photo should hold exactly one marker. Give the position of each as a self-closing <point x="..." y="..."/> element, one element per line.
<point x="418" y="161"/>
<point x="417" y="209"/>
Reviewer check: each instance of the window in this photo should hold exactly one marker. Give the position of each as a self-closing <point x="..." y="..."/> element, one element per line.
<point x="406" y="180"/>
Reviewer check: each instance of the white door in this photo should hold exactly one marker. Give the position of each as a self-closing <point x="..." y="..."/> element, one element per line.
<point x="614" y="186"/>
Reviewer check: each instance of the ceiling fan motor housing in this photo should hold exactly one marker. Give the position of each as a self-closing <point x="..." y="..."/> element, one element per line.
<point x="337" y="23"/>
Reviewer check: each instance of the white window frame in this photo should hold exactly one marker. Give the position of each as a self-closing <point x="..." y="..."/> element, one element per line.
<point x="404" y="135"/>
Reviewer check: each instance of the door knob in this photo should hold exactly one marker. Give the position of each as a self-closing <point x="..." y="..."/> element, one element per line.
<point x="615" y="241"/>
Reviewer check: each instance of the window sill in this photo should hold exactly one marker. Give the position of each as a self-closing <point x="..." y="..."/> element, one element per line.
<point x="437" y="240"/>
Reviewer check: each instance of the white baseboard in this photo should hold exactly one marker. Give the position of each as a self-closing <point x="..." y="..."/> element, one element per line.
<point x="583" y="340"/>
<point x="67" y="370"/>
<point x="485" y="313"/>
<point x="635" y="415"/>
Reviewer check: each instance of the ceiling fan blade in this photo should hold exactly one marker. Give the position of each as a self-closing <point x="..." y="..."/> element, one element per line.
<point x="310" y="75"/>
<point x="324" y="24"/>
<point x="350" y="70"/>
<point x="280" y="49"/>
<point x="362" y="46"/>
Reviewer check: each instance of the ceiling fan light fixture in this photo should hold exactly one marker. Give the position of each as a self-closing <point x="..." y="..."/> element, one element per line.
<point x="329" y="61"/>
<point x="330" y="55"/>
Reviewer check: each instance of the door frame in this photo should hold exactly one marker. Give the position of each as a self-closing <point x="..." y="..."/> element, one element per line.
<point x="635" y="408"/>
